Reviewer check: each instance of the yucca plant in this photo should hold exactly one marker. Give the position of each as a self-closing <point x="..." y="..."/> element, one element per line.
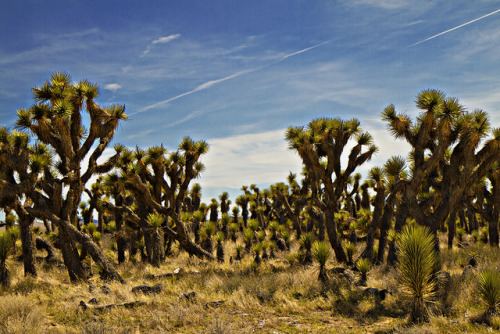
<point x="475" y="235"/>
<point x="306" y="242"/>
<point x="155" y="222"/>
<point x="363" y="265"/>
<point x="272" y="247"/>
<point x="265" y="246"/>
<point x="257" y="248"/>
<point x="219" y="237"/>
<point x="5" y="248"/>
<point x="417" y="260"/>
<point x="248" y="235"/>
<point x="489" y="290"/>
<point x="484" y="234"/>
<point x="238" y="249"/>
<point x="321" y="253"/>
<point x="350" y="249"/>
<point x="233" y="230"/>
<point x="460" y="233"/>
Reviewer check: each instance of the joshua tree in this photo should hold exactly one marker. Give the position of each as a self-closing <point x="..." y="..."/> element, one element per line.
<point x="377" y="178"/>
<point x="155" y="222"/>
<point x="56" y="121"/>
<point x="225" y="203"/>
<point x="219" y="237"/>
<point x="417" y="261"/>
<point x="320" y="147"/>
<point x="242" y="201"/>
<point x="160" y="184"/>
<point x="394" y="170"/>
<point x="446" y="142"/>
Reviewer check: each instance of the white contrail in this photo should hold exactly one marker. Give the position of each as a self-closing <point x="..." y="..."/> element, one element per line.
<point x="460" y="26"/>
<point x="301" y="51"/>
<point x="209" y="84"/>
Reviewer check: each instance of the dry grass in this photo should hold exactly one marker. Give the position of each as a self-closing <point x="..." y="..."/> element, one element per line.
<point x="276" y="297"/>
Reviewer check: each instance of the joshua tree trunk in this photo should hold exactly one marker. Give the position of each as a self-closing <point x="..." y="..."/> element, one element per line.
<point x="28" y="245"/>
<point x="452" y="228"/>
<point x="157" y="247"/>
<point x="4" y="275"/>
<point x="331" y="229"/>
<point x="401" y="215"/>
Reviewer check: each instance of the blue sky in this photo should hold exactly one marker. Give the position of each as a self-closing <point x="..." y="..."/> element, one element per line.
<point x="238" y="73"/>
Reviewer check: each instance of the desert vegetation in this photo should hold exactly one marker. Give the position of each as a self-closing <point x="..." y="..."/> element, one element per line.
<point x="126" y="245"/>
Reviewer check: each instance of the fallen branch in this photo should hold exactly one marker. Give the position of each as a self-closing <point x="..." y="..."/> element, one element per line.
<point x="85" y="306"/>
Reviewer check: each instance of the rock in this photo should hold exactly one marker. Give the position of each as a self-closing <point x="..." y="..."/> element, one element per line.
<point x="379" y="294"/>
<point x="473" y="262"/>
<point x="105" y="289"/>
<point x="281" y="244"/>
<point x="93" y="301"/>
<point x="188" y="296"/>
<point x="213" y="304"/>
<point x="146" y="289"/>
<point x="468" y="272"/>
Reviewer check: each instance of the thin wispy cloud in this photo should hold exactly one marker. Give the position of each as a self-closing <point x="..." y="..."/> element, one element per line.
<point x="161" y="40"/>
<point x="455" y="28"/>
<point x="166" y="39"/>
<point x="211" y="83"/>
<point x="113" y="87"/>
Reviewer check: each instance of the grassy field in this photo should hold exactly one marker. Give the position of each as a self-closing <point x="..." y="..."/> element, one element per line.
<point x="279" y="296"/>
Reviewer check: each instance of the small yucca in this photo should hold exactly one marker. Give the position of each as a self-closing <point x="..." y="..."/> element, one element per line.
<point x="489" y="289"/>
<point x="363" y="265"/>
<point x="417" y="260"/>
<point x="321" y="253"/>
<point x="350" y="249"/>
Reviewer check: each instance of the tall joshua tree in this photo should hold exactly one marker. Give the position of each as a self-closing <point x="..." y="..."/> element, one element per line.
<point x="56" y="121"/>
<point x="320" y="147"/>
<point x="160" y="185"/>
<point x="446" y="141"/>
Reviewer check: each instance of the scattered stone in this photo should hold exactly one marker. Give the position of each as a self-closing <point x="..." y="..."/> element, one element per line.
<point x="379" y="294"/>
<point x="473" y="262"/>
<point x="105" y="290"/>
<point x="337" y="270"/>
<point x="468" y="272"/>
<point x="176" y="272"/>
<point x="188" y="296"/>
<point x="213" y="304"/>
<point x="146" y="289"/>
<point x="281" y="244"/>
<point x="93" y="301"/>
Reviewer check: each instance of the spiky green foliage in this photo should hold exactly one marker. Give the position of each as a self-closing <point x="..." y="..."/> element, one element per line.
<point x="363" y="265"/>
<point x="488" y="285"/>
<point x="416" y="262"/>
<point x="219" y="237"/>
<point x="350" y="249"/>
<point x="306" y="240"/>
<point x="321" y="252"/>
<point x="155" y="220"/>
